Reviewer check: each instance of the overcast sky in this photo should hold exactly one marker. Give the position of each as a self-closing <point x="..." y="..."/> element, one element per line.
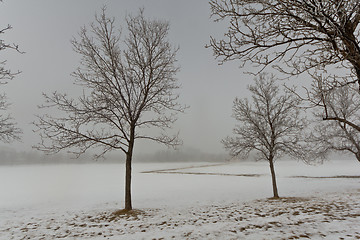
<point x="43" y="29"/>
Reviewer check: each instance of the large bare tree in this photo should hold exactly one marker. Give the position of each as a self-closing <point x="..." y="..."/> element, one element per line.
<point x="8" y="129"/>
<point x="295" y="37"/>
<point x="270" y="125"/>
<point x="129" y="84"/>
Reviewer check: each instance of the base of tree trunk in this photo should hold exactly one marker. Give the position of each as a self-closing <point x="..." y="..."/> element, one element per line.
<point x="272" y="198"/>
<point x="128" y="208"/>
<point x="123" y="213"/>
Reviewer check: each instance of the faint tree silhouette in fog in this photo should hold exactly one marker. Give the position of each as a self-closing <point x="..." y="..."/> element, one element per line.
<point x="8" y="129"/>
<point x="270" y="125"/>
<point x="295" y="37"/>
<point x="336" y="103"/>
<point x="129" y="84"/>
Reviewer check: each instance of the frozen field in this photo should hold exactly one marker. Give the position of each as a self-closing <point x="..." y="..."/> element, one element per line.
<point x="227" y="201"/>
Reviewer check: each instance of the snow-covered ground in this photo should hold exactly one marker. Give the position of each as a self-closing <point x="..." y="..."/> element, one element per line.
<point x="228" y="201"/>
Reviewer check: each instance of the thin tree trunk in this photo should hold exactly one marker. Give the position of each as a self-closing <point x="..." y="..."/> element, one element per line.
<point x="357" y="154"/>
<point x="128" y="203"/>
<point x="273" y="177"/>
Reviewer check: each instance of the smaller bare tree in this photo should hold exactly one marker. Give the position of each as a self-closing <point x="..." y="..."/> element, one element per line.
<point x="271" y="125"/>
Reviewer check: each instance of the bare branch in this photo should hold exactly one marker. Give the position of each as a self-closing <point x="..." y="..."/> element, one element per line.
<point x="8" y="130"/>
<point x="292" y="36"/>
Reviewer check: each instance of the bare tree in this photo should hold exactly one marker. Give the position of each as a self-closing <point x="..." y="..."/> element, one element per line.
<point x="8" y="129"/>
<point x="270" y="125"/>
<point x="341" y="106"/>
<point x="129" y="85"/>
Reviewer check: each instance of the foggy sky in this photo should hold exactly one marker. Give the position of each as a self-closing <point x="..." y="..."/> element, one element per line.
<point x="43" y="29"/>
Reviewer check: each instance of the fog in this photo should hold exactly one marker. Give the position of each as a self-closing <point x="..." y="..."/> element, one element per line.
<point x="43" y="30"/>
<point x="11" y="156"/>
<point x="56" y="200"/>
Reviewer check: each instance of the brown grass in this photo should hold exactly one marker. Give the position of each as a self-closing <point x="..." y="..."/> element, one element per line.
<point x="127" y="214"/>
<point x="289" y="199"/>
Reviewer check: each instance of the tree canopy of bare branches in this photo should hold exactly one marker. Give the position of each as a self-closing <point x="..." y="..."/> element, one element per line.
<point x="8" y="129"/>
<point x="270" y="125"/>
<point x="129" y="84"/>
<point x="294" y="36"/>
<point x="342" y="110"/>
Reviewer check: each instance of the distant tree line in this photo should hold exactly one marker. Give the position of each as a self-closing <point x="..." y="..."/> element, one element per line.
<point x="10" y="156"/>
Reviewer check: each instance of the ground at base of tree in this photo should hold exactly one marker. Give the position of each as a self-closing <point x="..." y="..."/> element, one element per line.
<point x="325" y="215"/>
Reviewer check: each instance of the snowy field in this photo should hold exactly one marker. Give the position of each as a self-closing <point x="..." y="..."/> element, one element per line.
<point x="181" y="201"/>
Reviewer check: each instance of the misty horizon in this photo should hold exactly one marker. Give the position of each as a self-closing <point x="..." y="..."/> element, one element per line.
<point x="49" y="60"/>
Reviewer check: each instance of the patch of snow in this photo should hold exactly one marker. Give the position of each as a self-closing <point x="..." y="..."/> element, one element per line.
<point x="78" y="201"/>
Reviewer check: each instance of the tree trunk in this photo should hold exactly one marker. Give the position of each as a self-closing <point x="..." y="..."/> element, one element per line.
<point x="358" y="156"/>
<point x="128" y="204"/>
<point x="273" y="177"/>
